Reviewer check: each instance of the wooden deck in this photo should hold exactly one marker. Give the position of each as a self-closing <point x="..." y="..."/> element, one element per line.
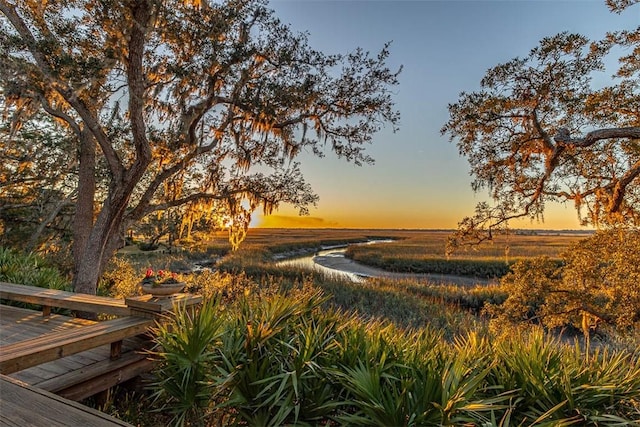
<point x="74" y="358"/>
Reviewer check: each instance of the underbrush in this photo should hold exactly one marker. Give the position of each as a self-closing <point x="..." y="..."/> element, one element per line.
<point x="473" y="299"/>
<point x="285" y="346"/>
<point x="283" y="358"/>
<point x="30" y="269"/>
<point x="300" y="349"/>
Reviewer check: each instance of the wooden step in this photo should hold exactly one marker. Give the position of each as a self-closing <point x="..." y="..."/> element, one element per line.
<point x="89" y="380"/>
<point x="24" y="405"/>
<point x="55" y="345"/>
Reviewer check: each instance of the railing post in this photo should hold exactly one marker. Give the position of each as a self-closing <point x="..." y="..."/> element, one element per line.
<point x="116" y="350"/>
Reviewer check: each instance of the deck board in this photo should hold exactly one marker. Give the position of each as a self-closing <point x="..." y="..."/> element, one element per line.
<point x="55" y="345"/>
<point x="23" y="405"/>
<point x="18" y="324"/>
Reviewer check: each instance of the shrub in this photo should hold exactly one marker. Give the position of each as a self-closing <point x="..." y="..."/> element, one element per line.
<point x="30" y="269"/>
<point x="120" y="280"/>
<point x="598" y="283"/>
<point x="187" y="361"/>
<point x="555" y="384"/>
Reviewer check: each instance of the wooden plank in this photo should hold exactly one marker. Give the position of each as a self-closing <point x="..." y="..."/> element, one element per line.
<point x="88" y="372"/>
<point x="107" y="380"/>
<point x="23" y="405"/>
<point x="18" y="324"/>
<point x="63" y="299"/>
<point x="30" y="376"/>
<point x="69" y="363"/>
<point x="24" y="354"/>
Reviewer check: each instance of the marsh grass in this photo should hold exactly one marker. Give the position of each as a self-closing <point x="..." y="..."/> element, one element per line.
<point x="424" y="252"/>
<point x="473" y="298"/>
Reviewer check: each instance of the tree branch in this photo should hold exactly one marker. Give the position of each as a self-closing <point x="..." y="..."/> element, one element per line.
<point x="563" y="136"/>
<point x="135" y="78"/>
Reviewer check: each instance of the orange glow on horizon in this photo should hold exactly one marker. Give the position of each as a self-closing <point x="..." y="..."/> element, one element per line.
<point x="557" y="218"/>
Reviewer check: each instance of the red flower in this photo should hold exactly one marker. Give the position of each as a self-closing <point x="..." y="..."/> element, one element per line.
<point x="160" y="277"/>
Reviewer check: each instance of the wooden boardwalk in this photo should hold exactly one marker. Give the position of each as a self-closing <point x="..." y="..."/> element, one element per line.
<point x="74" y="358"/>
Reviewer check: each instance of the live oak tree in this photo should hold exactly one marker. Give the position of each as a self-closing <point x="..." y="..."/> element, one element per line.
<point x="185" y="103"/>
<point x="539" y="131"/>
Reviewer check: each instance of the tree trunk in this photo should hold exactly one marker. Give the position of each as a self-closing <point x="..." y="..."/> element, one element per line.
<point x="105" y="238"/>
<point x="83" y="218"/>
<point x="106" y="234"/>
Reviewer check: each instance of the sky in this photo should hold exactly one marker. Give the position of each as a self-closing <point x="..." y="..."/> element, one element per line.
<point x="444" y="47"/>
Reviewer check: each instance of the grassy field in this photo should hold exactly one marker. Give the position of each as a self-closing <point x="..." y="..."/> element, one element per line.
<point x="408" y="244"/>
<point x="278" y="240"/>
<point x="411" y="251"/>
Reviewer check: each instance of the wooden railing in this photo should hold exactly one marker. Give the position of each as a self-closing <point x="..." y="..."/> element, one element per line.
<point x="48" y="298"/>
<point x="47" y="344"/>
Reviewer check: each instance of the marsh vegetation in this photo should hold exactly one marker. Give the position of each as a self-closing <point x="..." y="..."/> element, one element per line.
<point x="287" y="346"/>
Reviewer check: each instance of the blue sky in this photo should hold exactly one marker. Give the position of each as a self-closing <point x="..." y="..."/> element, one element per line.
<point x="445" y="47"/>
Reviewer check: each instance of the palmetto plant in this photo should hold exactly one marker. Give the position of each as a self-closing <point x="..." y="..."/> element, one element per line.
<point x="273" y="358"/>
<point x="29" y="269"/>
<point x="427" y="383"/>
<point x="284" y="358"/>
<point x="557" y="385"/>
<point x="185" y="351"/>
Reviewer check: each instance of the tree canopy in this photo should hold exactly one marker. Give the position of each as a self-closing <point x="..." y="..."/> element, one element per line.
<point x="539" y="131"/>
<point x="182" y="104"/>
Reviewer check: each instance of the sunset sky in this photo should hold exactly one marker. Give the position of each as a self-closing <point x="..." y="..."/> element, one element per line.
<point x="445" y="47"/>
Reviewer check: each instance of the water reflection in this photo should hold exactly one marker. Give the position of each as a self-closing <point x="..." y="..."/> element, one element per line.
<point x="310" y="262"/>
<point x="332" y="262"/>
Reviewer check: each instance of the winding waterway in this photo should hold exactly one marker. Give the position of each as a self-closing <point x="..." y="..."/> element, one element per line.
<point x="332" y="261"/>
